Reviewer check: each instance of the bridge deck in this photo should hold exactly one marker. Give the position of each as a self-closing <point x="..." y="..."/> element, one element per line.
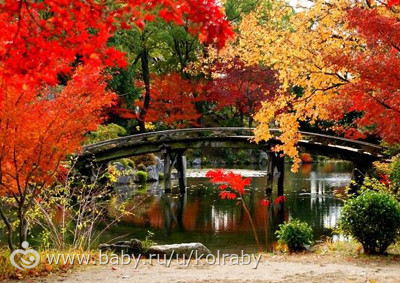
<point x="337" y="147"/>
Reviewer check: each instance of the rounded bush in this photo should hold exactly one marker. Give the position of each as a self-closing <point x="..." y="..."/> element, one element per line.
<point x="142" y="177"/>
<point x="141" y="167"/>
<point x="295" y="234"/>
<point x="145" y="159"/>
<point x="373" y="218"/>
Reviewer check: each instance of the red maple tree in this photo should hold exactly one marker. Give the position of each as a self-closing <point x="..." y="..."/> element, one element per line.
<point x="173" y="101"/>
<point x="375" y="94"/>
<point x="241" y="88"/>
<point x="43" y="41"/>
<point x="393" y="2"/>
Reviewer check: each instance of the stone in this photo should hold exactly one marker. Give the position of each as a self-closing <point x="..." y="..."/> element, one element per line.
<point x="263" y="157"/>
<point x="119" y="167"/>
<point x="124" y="179"/>
<point x="179" y="249"/>
<point x="196" y="161"/>
<point x="153" y="173"/>
<point x="160" y="165"/>
<point x="133" y="246"/>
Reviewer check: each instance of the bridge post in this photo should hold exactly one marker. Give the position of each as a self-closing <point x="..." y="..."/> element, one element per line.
<point x="175" y="159"/>
<point x="275" y="160"/>
<point x="181" y="167"/>
<point x="270" y="174"/>
<point x="167" y="169"/>
<point x="280" y="166"/>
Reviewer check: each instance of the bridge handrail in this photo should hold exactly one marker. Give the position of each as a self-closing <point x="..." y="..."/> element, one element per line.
<point x="143" y="135"/>
<point x="344" y="141"/>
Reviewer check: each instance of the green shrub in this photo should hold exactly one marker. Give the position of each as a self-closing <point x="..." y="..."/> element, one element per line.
<point x="373" y="218"/>
<point x="394" y="174"/>
<point x="228" y="155"/>
<point x="127" y="163"/>
<point x="106" y="132"/>
<point x="161" y="176"/>
<point x="142" y="176"/>
<point x="295" y="234"/>
<point x="145" y="159"/>
<point x="141" y="167"/>
<point x="243" y="157"/>
<point x="197" y="153"/>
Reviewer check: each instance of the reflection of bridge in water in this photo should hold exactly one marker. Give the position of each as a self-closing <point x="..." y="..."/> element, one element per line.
<point x="200" y="211"/>
<point x="319" y="181"/>
<point x="173" y="143"/>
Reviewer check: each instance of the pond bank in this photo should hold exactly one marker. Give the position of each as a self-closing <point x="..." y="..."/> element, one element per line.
<point x="272" y="268"/>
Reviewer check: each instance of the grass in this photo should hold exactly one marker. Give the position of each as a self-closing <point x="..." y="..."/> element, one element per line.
<point x="353" y="248"/>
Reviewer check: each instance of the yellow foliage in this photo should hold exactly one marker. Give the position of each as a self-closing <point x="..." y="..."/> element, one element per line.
<point x="296" y="45"/>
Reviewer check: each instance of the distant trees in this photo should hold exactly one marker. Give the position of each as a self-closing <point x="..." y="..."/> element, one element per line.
<point x="241" y="89"/>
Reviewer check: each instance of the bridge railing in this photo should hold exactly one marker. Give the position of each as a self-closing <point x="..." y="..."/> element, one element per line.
<point x="223" y="132"/>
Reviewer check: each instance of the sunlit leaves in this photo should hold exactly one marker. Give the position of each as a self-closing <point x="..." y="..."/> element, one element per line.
<point x="343" y="55"/>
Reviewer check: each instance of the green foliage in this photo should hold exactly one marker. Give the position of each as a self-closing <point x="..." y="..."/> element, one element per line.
<point x="232" y="156"/>
<point x="148" y="242"/>
<point x="145" y="159"/>
<point x="197" y="153"/>
<point x="372" y="184"/>
<point x="106" y="132"/>
<point x="243" y="157"/>
<point x="122" y="83"/>
<point x="295" y="234"/>
<point x="142" y="177"/>
<point x="67" y="215"/>
<point x="161" y="176"/>
<point x="127" y="163"/>
<point x="373" y="218"/>
<point x="228" y="155"/>
<point x="141" y="167"/>
<point x="394" y="173"/>
<point x="391" y="149"/>
<point x="236" y="9"/>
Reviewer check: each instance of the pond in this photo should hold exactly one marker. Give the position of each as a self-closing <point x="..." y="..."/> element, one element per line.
<point x="201" y="216"/>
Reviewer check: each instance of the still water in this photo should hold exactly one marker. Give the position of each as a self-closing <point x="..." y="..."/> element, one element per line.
<point x="201" y="216"/>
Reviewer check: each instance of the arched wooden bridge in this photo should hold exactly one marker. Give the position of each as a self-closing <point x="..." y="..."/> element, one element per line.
<point x="173" y="143"/>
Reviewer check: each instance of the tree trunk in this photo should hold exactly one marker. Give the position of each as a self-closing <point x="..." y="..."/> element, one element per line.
<point x="146" y="79"/>
<point x="9" y="230"/>
<point x="23" y="227"/>
<point x="250" y="121"/>
<point x="252" y="224"/>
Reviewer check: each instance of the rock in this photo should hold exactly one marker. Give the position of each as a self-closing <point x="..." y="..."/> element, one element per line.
<point x="153" y="173"/>
<point x="124" y="179"/>
<point x="160" y="165"/>
<point x="133" y="246"/>
<point x="263" y="156"/>
<point x="119" y="167"/>
<point x="196" y="161"/>
<point x="180" y="249"/>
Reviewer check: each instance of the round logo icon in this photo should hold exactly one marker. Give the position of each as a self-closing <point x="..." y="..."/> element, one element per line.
<point x="25" y="259"/>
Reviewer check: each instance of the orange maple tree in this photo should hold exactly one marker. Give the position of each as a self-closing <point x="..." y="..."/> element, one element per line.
<point x="52" y="86"/>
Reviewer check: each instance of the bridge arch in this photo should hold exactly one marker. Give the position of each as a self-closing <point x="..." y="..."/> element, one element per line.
<point x="173" y="143"/>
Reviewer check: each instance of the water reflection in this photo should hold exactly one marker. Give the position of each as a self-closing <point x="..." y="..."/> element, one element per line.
<point x="200" y="215"/>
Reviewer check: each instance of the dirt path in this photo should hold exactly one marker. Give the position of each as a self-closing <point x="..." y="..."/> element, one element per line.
<point x="298" y="268"/>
